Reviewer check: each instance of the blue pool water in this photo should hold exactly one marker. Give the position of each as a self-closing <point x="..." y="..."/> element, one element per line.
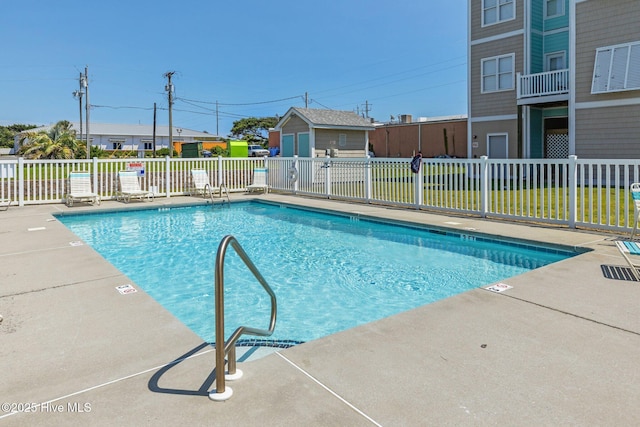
<point x="329" y="272"/>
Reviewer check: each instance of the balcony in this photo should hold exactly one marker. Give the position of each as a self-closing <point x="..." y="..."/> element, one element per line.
<point x="550" y="86"/>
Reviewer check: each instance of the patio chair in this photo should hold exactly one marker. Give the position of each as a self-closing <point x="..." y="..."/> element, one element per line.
<point x="129" y="187"/>
<point x="635" y="195"/>
<point x="631" y="253"/>
<point x="259" y="181"/>
<point x="200" y="184"/>
<point x="79" y="189"/>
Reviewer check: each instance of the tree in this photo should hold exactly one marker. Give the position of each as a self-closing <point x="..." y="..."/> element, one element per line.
<point x="7" y="133"/>
<point x="253" y="129"/>
<point x="58" y="143"/>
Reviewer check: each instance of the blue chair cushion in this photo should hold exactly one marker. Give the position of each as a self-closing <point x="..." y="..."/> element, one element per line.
<point x="633" y="248"/>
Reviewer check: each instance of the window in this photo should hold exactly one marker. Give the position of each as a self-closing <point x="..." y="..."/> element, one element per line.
<point x="617" y="68"/>
<point x="148" y="145"/>
<point x="342" y="140"/>
<point x="495" y="11"/>
<point x="553" y="8"/>
<point x="555" y="61"/>
<point x="497" y="73"/>
<point x="117" y="143"/>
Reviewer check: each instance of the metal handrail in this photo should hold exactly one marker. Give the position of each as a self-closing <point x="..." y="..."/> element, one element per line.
<point x="220" y="392"/>
<point x="226" y="190"/>
<point x="208" y="188"/>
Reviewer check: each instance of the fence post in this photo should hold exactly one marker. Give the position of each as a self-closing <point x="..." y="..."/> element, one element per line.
<point x="220" y="173"/>
<point x="484" y="186"/>
<point x="167" y="175"/>
<point x="573" y="190"/>
<point x="94" y="175"/>
<point x="296" y="166"/>
<point x="327" y="177"/>
<point x="419" y="185"/>
<point x="368" y="180"/>
<point x="20" y="181"/>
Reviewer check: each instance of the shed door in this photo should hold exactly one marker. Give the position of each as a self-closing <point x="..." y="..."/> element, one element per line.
<point x="287" y="146"/>
<point x="304" y="150"/>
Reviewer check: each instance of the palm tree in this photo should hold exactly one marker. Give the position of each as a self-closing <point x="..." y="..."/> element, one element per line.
<point x="58" y="143"/>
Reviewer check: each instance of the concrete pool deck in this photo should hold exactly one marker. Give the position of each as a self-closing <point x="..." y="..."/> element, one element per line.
<point x="561" y="347"/>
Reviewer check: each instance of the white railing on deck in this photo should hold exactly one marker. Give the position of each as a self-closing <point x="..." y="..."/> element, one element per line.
<point x="542" y="84"/>
<point x="567" y="192"/>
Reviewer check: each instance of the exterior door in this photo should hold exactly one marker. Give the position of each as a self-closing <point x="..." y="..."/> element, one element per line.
<point x="287" y="146"/>
<point x="497" y="146"/>
<point x="304" y="149"/>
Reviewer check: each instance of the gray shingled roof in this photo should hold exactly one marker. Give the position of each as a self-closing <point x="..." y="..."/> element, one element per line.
<point x="333" y="118"/>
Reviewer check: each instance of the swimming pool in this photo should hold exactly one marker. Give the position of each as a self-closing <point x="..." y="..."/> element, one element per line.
<point x="329" y="272"/>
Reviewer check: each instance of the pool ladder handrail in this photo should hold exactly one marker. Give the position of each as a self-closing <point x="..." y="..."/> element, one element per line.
<point x="221" y="393"/>
<point x="208" y="188"/>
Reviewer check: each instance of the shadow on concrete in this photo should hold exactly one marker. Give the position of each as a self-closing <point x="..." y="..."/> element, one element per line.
<point x="204" y="389"/>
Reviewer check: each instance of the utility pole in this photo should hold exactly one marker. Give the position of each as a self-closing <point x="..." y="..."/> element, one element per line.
<point x="367" y="108"/>
<point x="306" y="100"/>
<point x="85" y="83"/>
<point x="169" y="89"/>
<point x="77" y="94"/>
<point x="217" y="122"/>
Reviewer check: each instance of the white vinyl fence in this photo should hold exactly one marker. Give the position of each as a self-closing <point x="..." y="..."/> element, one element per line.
<point x="567" y="192"/>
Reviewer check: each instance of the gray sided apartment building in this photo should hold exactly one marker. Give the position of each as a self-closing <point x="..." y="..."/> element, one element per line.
<point x="553" y="78"/>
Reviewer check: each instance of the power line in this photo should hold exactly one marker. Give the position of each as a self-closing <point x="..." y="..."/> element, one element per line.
<point x="241" y="104"/>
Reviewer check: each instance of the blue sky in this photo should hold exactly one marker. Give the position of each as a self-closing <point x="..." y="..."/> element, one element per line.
<point x="255" y="58"/>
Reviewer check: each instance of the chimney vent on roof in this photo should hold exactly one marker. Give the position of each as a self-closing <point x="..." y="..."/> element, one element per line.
<point x="405" y="118"/>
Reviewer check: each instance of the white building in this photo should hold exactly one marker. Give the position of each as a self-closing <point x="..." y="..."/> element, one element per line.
<point x="127" y="137"/>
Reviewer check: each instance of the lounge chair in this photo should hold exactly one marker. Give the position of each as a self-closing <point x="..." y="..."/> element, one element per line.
<point x="635" y="195"/>
<point x="200" y="184"/>
<point x="631" y="253"/>
<point x="5" y="203"/>
<point x="129" y="187"/>
<point x="259" y="181"/>
<point x="79" y="189"/>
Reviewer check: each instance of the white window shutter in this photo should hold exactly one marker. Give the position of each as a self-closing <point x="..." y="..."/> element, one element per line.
<point x="633" y="75"/>
<point x="618" y="75"/>
<point x="601" y="71"/>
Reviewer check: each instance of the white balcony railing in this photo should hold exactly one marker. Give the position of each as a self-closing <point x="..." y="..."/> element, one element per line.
<point x="543" y="84"/>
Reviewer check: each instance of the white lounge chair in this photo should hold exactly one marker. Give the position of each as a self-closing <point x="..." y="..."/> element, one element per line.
<point x="631" y="253"/>
<point x="635" y="195"/>
<point x="259" y="181"/>
<point x="201" y="186"/>
<point x="5" y="203"/>
<point x="79" y="189"/>
<point x="129" y="187"/>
